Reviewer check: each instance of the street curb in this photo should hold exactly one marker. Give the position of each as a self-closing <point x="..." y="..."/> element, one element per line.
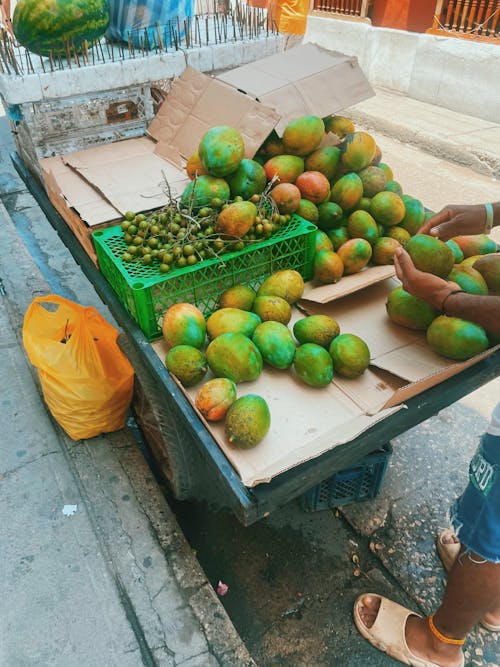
<point x="478" y="160"/>
<point x="221" y="635"/>
<point x="20" y="282"/>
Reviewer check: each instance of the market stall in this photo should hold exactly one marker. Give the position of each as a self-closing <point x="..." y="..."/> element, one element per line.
<point x="87" y="189"/>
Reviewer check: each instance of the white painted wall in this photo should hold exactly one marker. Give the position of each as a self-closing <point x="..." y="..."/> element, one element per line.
<point x="132" y="71"/>
<point x="460" y="75"/>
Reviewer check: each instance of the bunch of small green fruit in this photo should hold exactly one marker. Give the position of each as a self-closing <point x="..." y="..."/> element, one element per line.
<point x="174" y="237"/>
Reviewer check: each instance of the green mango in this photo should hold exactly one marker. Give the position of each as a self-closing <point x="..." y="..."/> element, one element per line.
<point x="313" y="365"/>
<point x="319" y="329"/>
<point x="275" y="343"/>
<point x="234" y="356"/>
<point x="455" y="338"/>
<point x="232" y="320"/>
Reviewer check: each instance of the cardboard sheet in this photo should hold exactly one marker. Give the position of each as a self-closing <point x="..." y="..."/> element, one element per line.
<point x="347" y="284"/>
<point x="305" y="422"/>
<point x="128" y="174"/>
<point x="194" y="104"/>
<point x="302" y="81"/>
<point x="73" y="196"/>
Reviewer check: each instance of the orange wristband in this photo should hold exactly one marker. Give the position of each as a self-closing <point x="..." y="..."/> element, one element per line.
<point x="441" y="637"/>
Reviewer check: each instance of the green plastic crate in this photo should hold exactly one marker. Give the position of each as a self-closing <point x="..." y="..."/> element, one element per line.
<point x="147" y="294"/>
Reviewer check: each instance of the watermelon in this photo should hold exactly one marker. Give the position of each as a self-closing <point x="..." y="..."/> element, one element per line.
<point x="50" y="25"/>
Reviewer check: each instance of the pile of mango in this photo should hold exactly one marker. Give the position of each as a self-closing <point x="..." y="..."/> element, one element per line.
<point x="361" y="212"/>
<point x="345" y="189"/>
<point x="474" y="265"/>
<point x="247" y="331"/>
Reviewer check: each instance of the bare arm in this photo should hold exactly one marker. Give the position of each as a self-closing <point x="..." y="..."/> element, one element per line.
<point x="483" y="310"/>
<point x="459" y="220"/>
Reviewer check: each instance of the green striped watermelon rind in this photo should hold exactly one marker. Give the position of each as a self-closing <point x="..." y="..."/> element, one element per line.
<point x="43" y="26"/>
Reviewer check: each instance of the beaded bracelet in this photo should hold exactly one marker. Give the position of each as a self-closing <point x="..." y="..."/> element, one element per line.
<point x="489" y="218"/>
<point x="454" y="291"/>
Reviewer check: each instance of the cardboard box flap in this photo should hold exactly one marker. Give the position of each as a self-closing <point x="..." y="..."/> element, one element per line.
<point x="128" y="174"/>
<point x="77" y="193"/>
<point x="302" y="81"/>
<point x="413" y="362"/>
<point x="305" y="422"/>
<point x="194" y="104"/>
<point x="401" y="374"/>
<point x="372" y="391"/>
<point x="347" y="285"/>
<point x="445" y="370"/>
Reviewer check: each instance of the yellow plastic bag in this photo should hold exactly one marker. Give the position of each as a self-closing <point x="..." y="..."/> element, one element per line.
<point x="86" y="379"/>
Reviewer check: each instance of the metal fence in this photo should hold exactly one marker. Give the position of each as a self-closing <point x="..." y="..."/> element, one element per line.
<point x="218" y="23"/>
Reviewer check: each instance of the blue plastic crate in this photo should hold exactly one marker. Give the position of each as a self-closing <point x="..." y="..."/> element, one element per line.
<point x="350" y="485"/>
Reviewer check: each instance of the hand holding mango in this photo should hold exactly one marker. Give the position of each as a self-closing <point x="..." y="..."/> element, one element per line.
<point x="426" y="286"/>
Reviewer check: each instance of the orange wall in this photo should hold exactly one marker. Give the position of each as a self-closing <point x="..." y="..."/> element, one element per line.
<point x="412" y="15"/>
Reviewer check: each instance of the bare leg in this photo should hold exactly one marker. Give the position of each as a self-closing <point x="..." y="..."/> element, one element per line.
<point x="472" y="592"/>
<point x="493" y="615"/>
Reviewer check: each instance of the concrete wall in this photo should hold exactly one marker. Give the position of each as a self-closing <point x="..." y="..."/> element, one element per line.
<point x="457" y="74"/>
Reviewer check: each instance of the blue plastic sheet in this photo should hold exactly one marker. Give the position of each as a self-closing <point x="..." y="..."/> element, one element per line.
<point x="149" y="23"/>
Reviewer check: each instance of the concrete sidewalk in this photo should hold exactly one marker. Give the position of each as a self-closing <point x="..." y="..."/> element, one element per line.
<point x="465" y="140"/>
<point x="95" y="569"/>
<point x="115" y="582"/>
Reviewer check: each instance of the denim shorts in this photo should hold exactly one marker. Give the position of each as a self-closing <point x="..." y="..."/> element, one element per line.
<point x="475" y="516"/>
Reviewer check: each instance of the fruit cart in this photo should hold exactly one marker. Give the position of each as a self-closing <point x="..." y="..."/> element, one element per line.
<point x="185" y="451"/>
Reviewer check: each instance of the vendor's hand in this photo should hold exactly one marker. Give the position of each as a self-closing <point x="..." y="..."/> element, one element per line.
<point x="423" y="285"/>
<point x="456" y="221"/>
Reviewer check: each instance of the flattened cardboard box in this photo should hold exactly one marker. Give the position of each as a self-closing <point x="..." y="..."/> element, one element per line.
<point x="307" y="421"/>
<point x="348" y="284"/>
<point x="194" y="104"/>
<point x="76" y="196"/>
<point x="128" y="174"/>
<point x="101" y="184"/>
<point x="302" y="81"/>
<point x="64" y="186"/>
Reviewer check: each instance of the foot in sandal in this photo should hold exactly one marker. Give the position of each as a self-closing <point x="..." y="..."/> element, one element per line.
<point x="403" y="635"/>
<point x="448" y="547"/>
